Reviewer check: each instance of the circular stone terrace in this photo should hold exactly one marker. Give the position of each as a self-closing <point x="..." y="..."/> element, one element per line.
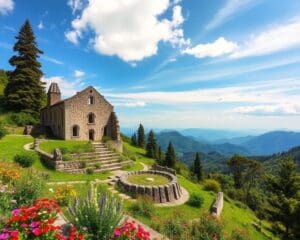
<point x="161" y="187"/>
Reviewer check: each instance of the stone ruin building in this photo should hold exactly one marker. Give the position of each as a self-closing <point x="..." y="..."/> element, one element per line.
<point x="85" y="116"/>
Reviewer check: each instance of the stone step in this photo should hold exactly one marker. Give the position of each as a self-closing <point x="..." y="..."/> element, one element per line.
<point x="103" y="162"/>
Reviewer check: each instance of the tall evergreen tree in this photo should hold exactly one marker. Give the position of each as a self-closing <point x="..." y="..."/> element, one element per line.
<point x="285" y="199"/>
<point x="134" y="140"/>
<point x="170" y="159"/>
<point x="141" y="136"/>
<point x="151" y="147"/>
<point x="198" y="169"/>
<point x="25" y="91"/>
<point x="237" y="165"/>
<point x="159" y="155"/>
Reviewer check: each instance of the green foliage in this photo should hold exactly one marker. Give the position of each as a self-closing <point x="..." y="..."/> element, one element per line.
<point x="237" y="165"/>
<point x="134" y="140"/>
<point x="240" y="234"/>
<point x="24" y="90"/>
<point x="143" y="207"/>
<point x="26" y="159"/>
<point x="29" y="187"/>
<point x="198" y="168"/>
<point x="170" y="159"/>
<point x="97" y="165"/>
<point x="82" y="165"/>
<point x="212" y="185"/>
<point x="151" y="147"/>
<point x="66" y="157"/>
<point x="90" y="171"/>
<point x="99" y="216"/>
<point x="21" y="119"/>
<point x="67" y="147"/>
<point x="207" y="228"/>
<point x="195" y="200"/>
<point x="141" y="136"/>
<point x="3" y="131"/>
<point x="284" y="202"/>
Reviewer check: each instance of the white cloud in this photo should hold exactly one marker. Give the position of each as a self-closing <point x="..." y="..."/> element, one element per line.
<point x="259" y="92"/>
<point x="75" y="5"/>
<point x="130" y="104"/>
<point x="6" y="6"/>
<point x="269" y="110"/>
<point x="231" y="8"/>
<point x="41" y="25"/>
<point x="217" y="48"/>
<point x="276" y="38"/>
<point x="136" y="31"/>
<point x="78" y="73"/>
<point x="52" y="60"/>
<point x="67" y="88"/>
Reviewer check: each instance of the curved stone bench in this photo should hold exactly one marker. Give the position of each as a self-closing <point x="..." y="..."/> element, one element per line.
<point x="159" y="194"/>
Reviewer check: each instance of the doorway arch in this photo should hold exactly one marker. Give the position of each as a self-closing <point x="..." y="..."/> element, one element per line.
<point x="91" y="134"/>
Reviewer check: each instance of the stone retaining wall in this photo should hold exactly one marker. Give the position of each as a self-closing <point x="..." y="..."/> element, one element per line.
<point x="157" y="167"/>
<point x="159" y="194"/>
<point x="217" y="207"/>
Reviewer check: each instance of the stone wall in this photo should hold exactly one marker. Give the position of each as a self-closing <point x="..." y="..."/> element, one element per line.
<point x="159" y="194"/>
<point x="217" y="207"/>
<point x="157" y="167"/>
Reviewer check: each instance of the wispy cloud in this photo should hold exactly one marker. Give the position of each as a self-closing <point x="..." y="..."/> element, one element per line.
<point x="130" y="104"/>
<point x="269" y="110"/>
<point x="79" y="73"/>
<point x="230" y="9"/>
<point x="52" y="60"/>
<point x="41" y="25"/>
<point x="274" y="39"/>
<point x="5" y="45"/>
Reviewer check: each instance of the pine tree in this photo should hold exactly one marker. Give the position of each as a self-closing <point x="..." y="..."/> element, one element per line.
<point x="285" y="199"/>
<point x="141" y="136"/>
<point x="25" y="91"/>
<point x="198" y="169"/>
<point x="134" y="140"/>
<point x="151" y="147"/>
<point x="170" y="159"/>
<point x="159" y="155"/>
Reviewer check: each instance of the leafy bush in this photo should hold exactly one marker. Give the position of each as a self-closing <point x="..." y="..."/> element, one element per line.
<point x="212" y="185"/>
<point x="240" y="234"/>
<point x="29" y="187"/>
<point x="63" y="194"/>
<point x="90" y="171"/>
<point x="97" y="165"/>
<point x="3" y="131"/>
<point x="66" y="157"/>
<point x="208" y="228"/>
<point x="195" y="200"/>
<point x="22" y="119"/>
<point x="143" y="207"/>
<point x="82" y="165"/>
<point x="99" y="216"/>
<point x="26" y="159"/>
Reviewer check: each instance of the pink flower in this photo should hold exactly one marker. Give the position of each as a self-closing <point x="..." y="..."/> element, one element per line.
<point x="4" y="236"/>
<point x="34" y="224"/>
<point x="14" y="233"/>
<point x="36" y="231"/>
<point x="16" y="211"/>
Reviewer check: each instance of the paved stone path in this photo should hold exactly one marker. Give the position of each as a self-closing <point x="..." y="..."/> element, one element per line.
<point x="28" y="146"/>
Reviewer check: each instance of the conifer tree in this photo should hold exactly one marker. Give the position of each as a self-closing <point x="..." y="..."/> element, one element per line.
<point x="285" y="199"/>
<point x="170" y="159"/>
<point x="198" y="169"/>
<point x="25" y="91"/>
<point x="159" y="155"/>
<point x="141" y="136"/>
<point x="151" y="147"/>
<point x="134" y="140"/>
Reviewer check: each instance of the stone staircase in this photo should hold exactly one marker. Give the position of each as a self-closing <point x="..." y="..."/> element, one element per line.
<point x="101" y="160"/>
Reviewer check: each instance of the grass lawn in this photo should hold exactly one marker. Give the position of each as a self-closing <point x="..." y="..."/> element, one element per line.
<point x="68" y="146"/>
<point x="11" y="145"/>
<point x="136" y="166"/>
<point x="139" y="153"/>
<point x="148" y="179"/>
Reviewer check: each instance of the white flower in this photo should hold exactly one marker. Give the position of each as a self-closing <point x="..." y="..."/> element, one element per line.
<point x="51" y="190"/>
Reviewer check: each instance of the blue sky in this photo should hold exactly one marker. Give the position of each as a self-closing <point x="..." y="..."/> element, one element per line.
<point x="170" y="63"/>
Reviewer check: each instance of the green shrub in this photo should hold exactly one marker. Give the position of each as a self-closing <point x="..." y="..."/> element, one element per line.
<point x="3" y="131"/>
<point x="82" y="165"/>
<point x="22" y="119"/>
<point x="99" y="216"/>
<point x="29" y="187"/>
<point x="25" y="159"/>
<point x="195" y="200"/>
<point x="63" y="194"/>
<point x="66" y="157"/>
<point x="240" y="234"/>
<point x="207" y="228"/>
<point x="64" y="150"/>
<point x="90" y="171"/>
<point x="97" y="165"/>
<point x="212" y="185"/>
<point x="143" y="207"/>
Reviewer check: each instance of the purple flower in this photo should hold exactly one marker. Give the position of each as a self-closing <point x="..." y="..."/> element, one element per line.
<point x="34" y="224"/>
<point x="16" y="211"/>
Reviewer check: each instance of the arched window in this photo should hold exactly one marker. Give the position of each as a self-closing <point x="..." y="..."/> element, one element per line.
<point x="91" y="118"/>
<point x="75" y="131"/>
<point x="91" y="100"/>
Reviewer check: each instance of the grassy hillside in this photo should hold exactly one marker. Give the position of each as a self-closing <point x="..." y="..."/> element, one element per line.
<point x="233" y="217"/>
